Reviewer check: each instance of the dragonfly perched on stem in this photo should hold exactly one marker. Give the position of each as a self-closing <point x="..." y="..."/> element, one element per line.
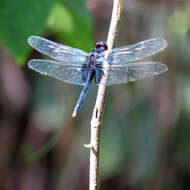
<point x="77" y="67"/>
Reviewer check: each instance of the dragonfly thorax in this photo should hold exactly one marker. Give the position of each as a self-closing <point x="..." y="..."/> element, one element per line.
<point x="94" y="56"/>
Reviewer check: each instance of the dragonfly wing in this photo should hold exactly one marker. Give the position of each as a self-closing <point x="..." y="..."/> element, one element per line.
<point x="57" y="51"/>
<point x="136" y="51"/>
<point x="118" y="74"/>
<point x="66" y="72"/>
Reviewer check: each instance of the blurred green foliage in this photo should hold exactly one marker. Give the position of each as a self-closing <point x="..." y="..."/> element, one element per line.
<point x="72" y="23"/>
<point x="179" y="21"/>
<point x="21" y="18"/>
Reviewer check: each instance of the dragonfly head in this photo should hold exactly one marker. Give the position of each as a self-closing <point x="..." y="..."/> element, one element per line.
<point x="101" y="45"/>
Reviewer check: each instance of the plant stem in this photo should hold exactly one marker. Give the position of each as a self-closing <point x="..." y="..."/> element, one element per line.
<point x="99" y="106"/>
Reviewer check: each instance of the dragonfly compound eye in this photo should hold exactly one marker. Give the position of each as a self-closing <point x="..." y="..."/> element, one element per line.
<point x="101" y="45"/>
<point x="105" y="47"/>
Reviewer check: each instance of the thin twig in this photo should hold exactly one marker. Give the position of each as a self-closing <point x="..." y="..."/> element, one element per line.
<point x="99" y="106"/>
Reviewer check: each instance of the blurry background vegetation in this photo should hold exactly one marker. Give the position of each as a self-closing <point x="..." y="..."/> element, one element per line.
<point x="145" y="141"/>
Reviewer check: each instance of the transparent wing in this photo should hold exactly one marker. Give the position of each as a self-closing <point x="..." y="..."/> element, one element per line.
<point x="124" y="73"/>
<point x="66" y="72"/>
<point x="136" y="51"/>
<point x="57" y="51"/>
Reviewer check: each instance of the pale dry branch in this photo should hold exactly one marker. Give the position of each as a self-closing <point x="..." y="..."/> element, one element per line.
<point x="99" y="106"/>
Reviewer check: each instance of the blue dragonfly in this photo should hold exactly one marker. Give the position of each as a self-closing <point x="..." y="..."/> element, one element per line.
<point x="77" y="67"/>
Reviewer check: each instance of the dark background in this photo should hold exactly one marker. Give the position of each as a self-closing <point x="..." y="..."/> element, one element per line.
<point x="145" y="140"/>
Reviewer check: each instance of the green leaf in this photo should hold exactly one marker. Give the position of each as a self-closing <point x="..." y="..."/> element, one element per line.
<point x="72" y="23"/>
<point x="18" y="20"/>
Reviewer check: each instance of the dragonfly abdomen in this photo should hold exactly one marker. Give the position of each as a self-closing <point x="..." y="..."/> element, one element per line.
<point x="83" y="92"/>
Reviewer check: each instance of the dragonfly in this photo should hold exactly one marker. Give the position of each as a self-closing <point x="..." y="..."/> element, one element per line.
<point x="78" y="67"/>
